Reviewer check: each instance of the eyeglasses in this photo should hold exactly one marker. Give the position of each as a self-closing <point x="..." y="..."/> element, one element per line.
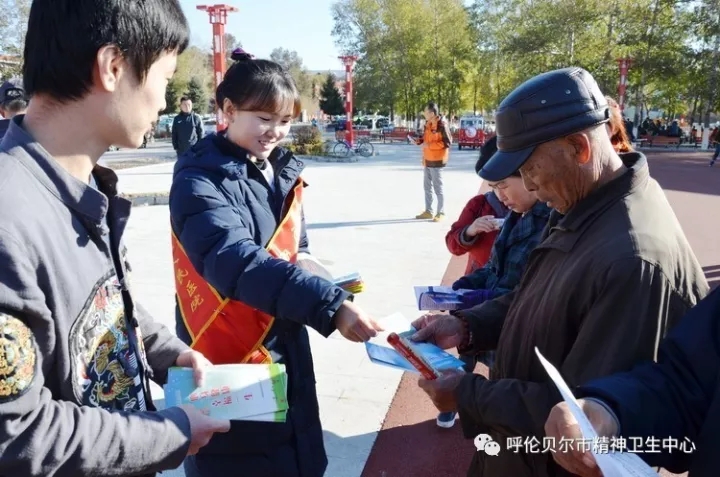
<point x="499" y="186"/>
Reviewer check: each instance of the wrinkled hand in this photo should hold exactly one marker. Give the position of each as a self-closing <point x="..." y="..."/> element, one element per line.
<point x="445" y="331"/>
<point x="197" y="361"/>
<point x="562" y="425"/>
<point x="442" y="389"/>
<point x="472" y="298"/>
<point x="482" y="224"/>
<point x="354" y="324"/>
<point x="202" y="428"/>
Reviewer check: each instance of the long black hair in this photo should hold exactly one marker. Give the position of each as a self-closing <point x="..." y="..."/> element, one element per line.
<point x="258" y="85"/>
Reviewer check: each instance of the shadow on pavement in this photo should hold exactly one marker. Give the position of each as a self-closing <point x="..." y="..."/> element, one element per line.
<point x="362" y="223"/>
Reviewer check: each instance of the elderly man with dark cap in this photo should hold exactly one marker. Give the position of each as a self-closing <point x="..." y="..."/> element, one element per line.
<point x="612" y="273"/>
<point x="13" y="101"/>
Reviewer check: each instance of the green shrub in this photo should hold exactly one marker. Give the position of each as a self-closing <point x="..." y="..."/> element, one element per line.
<point x="307" y="140"/>
<point x="308" y="149"/>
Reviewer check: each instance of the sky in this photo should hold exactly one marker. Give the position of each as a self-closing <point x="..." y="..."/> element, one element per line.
<point x="263" y="25"/>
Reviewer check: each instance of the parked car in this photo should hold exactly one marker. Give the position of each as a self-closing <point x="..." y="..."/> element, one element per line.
<point x="210" y="126"/>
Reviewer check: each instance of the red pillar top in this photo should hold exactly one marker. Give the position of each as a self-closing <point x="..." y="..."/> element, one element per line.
<point x="218" y="13"/>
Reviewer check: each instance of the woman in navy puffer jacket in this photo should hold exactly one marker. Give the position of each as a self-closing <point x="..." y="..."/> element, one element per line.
<point x="231" y="193"/>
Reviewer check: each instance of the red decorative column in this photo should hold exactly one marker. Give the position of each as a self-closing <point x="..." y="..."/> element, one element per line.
<point x="349" y="62"/>
<point x="218" y="19"/>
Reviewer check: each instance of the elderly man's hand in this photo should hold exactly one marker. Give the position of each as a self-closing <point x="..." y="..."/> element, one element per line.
<point x="561" y="424"/>
<point x="445" y="331"/>
<point x="442" y="389"/>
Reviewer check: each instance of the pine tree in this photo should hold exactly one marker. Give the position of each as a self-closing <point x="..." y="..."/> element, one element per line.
<point x="330" y="100"/>
<point x="197" y="95"/>
<point x="171" y="98"/>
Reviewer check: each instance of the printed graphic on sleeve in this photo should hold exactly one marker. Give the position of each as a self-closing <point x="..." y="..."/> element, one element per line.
<point x="105" y="366"/>
<point x="17" y="357"/>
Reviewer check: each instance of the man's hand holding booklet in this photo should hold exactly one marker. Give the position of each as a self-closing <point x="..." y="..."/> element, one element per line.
<point x="394" y="348"/>
<point x="237" y="392"/>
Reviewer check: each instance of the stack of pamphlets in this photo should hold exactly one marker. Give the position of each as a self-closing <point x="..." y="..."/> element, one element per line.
<point x="439" y="298"/>
<point x="381" y="352"/>
<point x="237" y="392"/>
<point x="352" y="283"/>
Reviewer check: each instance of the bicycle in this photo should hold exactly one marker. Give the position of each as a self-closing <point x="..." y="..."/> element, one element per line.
<point x="362" y="147"/>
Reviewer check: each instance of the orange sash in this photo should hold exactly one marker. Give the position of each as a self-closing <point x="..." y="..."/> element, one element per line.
<point x="228" y="331"/>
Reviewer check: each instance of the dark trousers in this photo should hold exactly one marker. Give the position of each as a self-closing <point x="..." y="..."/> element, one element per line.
<point x="716" y="154"/>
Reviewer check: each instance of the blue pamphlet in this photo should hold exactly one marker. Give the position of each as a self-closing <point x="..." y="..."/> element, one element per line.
<point x="438" y="298"/>
<point x="381" y="352"/>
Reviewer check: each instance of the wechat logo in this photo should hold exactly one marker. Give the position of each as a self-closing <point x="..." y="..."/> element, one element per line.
<point x="484" y="442"/>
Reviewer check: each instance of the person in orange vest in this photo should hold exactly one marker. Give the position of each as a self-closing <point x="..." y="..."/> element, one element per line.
<point x="239" y="235"/>
<point x="436" y="142"/>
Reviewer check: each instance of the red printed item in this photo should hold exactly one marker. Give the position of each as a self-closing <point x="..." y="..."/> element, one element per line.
<point x="401" y="346"/>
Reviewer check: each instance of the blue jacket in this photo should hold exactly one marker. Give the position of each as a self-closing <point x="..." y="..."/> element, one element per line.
<point x="676" y="398"/>
<point x="224" y="213"/>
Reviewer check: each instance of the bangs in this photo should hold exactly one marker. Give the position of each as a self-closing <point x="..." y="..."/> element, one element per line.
<point x="273" y="97"/>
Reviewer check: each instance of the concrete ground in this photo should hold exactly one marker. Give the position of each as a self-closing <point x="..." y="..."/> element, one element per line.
<point x="156" y="152"/>
<point x="360" y="218"/>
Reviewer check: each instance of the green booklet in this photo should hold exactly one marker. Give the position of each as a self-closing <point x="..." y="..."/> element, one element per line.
<point x="238" y="392"/>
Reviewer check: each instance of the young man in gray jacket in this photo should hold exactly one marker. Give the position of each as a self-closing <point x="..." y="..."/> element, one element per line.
<point x="76" y="352"/>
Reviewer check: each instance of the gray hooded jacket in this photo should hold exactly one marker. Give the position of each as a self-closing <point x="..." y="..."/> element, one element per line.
<point x="75" y="351"/>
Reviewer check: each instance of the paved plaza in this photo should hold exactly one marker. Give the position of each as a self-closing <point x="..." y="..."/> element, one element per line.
<point x="360" y="218"/>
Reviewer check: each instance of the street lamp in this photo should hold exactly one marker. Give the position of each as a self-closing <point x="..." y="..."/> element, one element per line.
<point x="349" y="62"/>
<point x="218" y="19"/>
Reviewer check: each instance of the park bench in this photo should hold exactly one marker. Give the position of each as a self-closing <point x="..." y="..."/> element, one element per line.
<point x="397" y="134"/>
<point x="665" y="141"/>
<point x="362" y="133"/>
<point x="358" y="135"/>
